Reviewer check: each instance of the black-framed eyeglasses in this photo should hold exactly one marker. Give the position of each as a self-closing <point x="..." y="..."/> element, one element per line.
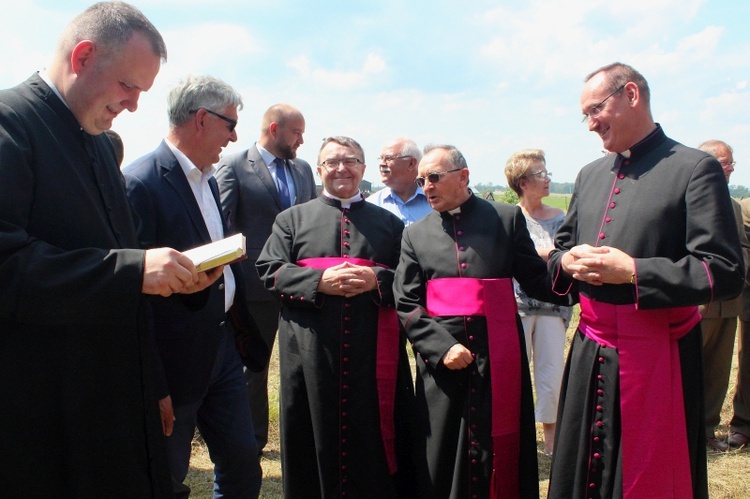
<point x="596" y="110"/>
<point x="434" y="177"/>
<point x="542" y="175"/>
<point x="332" y="164"/>
<point x="232" y="123"/>
<point x="390" y="159"/>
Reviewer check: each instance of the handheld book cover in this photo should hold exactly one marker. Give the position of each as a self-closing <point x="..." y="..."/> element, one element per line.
<point x="223" y="252"/>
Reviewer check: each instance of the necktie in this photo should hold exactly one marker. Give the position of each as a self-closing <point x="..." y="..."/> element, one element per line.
<point x="281" y="183"/>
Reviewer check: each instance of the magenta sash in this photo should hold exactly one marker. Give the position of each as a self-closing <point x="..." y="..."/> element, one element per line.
<point x="655" y="459"/>
<point x="386" y="357"/>
<point x="493" y="299"/>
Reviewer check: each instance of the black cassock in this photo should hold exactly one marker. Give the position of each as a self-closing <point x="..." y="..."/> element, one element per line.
<point x="77" y="398"/>
<point x="485" y="240"/>
<point x="330" y="425"/>
<point x="667" y="206"/>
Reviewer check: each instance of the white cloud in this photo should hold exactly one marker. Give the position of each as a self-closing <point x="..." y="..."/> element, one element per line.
<point x="373" y="66"/>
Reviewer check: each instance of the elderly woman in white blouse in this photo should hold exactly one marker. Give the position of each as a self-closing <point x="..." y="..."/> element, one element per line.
<point x="544" y="324"/>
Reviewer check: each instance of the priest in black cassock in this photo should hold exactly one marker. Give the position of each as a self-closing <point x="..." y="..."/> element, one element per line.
<point x="649" y="235"/>
<point x="475" y="417"/>
<point x="78" y="407"/>
<point x="344" y="372"/>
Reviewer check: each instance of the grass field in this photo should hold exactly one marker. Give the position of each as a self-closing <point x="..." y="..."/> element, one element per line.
<point x="728" y="473"/>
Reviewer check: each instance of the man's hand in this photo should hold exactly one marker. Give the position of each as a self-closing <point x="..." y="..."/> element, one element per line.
<point x="167" y="271"/>
<point x="205" y="279"/>
<point x="457" y="357"/>
<point x="599" y="265"/>
<point x="167" y="415"/>
<point x="347" y="280"/>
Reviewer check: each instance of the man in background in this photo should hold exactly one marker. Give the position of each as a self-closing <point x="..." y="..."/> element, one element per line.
<point x="719" y="321"/>
<point x="739" y="426"/>
<point x="256" y="185"/>
<point x="401" y="196"/>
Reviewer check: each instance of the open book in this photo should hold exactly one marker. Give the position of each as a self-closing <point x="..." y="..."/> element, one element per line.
<point x="228" y="250"/>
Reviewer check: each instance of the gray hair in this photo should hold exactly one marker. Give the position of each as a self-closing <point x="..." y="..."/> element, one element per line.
<point x="456" y="158"/>
<point x="343" y="141"/>
<point x="110" y="25"/>
<point x="618" y="74"/>
<point x="410" y="149"/>
<point x="199" y="92"/>
<point x="712" y="147"/>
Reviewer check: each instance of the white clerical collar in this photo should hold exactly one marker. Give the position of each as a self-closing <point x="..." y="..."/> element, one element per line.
<point x="455" y="211"/>
<point x="347" y="202"/>
<point x="625" y="154"/>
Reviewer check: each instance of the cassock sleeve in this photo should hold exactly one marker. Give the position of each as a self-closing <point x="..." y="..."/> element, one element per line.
<point x="296" y="286"/>
<point x="430" y="339"/>
<point x="713" y="268"/>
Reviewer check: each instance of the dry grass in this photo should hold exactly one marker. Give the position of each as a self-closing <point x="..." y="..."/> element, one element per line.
<point x="728" y="474"/>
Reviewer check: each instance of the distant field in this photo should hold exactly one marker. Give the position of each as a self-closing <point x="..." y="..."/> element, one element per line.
<point x="557" y="200"/>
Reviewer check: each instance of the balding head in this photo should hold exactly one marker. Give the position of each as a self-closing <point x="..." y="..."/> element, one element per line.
<point x="281" y="130"/>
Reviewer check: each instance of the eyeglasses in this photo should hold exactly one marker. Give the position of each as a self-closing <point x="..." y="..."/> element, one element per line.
<point x="390" y="159"/>
<point x="596" y="110"/>
<point x="727" y="164"/>
<point x="543" y="175"/>
<point x="332" y="164"/>
<point x="434" y="177"/>
<point x="232" y="123"/>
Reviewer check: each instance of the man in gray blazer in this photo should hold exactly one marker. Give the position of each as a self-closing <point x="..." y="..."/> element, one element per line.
<point x="255" y="186"/>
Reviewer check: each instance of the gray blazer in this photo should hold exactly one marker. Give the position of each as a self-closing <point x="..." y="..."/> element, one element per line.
<point x="251" y="202"/>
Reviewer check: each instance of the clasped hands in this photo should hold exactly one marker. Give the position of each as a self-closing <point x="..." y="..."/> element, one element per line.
<point x="167" y="271"/>
<point x="347" y="280"/>
<point x="598" y="265"/>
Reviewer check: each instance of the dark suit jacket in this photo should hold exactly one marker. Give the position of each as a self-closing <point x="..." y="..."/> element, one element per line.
<point x="186" y="327"/>
<point x="251" y="201"/>
<point x="77" y="397"/>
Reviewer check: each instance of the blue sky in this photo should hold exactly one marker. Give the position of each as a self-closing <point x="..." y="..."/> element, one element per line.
<point x="489" y="77"/>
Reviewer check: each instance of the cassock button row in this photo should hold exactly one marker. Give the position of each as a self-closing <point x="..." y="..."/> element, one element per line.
<point x="346" y="244"/>
<point x="461" y="248"/>
<point x="608" y="219"/>
<point x="600" y="392"/>
<point x="621" y="176"/>
<point x="612" y="205"/>
<point x="458" y="217"/>
<point x="599" y="408"/>
<point x="460" y="233"/>
<point x="463" y="265"/>
<point x="599" y="377"/>
<point x="617" y="190"/>
<point x="471" y="338"/>
<point x="601" y="360"/>
<point x="602" y="235"/>
<point x="627" y="162"/>
<point x="599" y="424"/>
<point x="469" y="319"/>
